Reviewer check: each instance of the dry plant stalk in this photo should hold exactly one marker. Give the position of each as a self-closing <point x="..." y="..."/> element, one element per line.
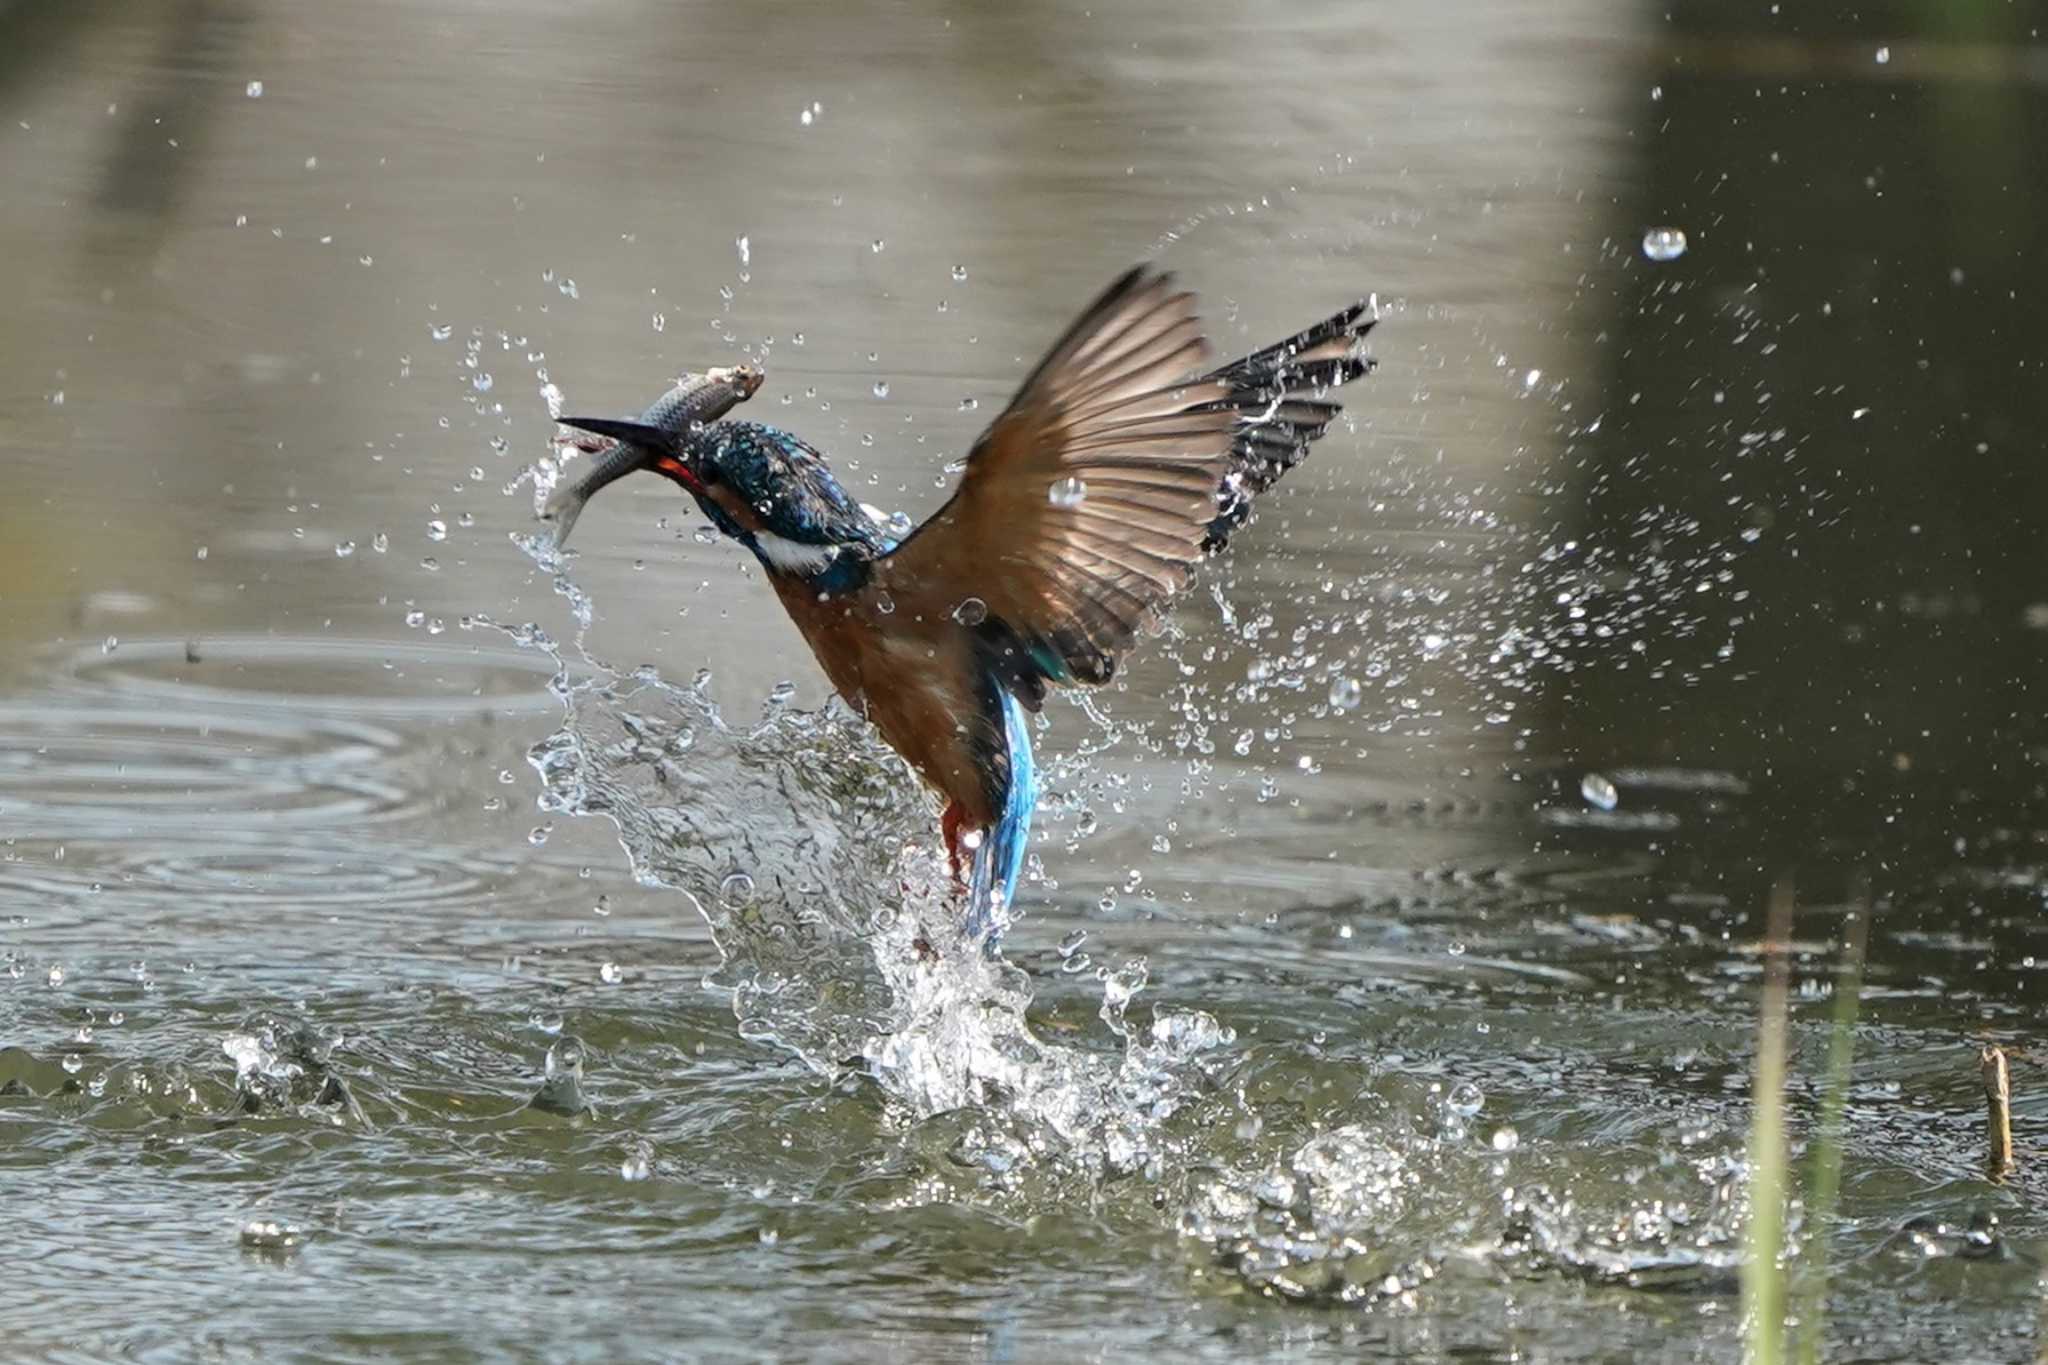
<point x="1998" y="1101"/>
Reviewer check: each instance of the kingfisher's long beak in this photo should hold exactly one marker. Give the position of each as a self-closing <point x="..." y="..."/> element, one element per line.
<point x="640" y="446"/>
<point x="658" y="441"/>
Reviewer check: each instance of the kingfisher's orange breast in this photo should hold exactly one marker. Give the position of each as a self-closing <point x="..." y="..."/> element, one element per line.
<point x="913" y="678"/>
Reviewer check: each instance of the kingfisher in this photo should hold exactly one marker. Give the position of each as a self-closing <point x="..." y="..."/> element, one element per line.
<point x="1121" y="463"/>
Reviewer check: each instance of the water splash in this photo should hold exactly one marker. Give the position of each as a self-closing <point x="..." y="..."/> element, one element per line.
<point x="810" y="850"/>
<point x="1382" y="1210"/>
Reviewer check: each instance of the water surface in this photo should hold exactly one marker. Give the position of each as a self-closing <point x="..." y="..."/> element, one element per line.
<point x="1387" y="982"/>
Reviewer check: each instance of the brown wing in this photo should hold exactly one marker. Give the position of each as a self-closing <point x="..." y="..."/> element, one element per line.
<point x="1083" y="505"/>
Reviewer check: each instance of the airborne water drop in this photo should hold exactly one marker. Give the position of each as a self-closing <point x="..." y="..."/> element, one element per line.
<point x="1664" y="243"/>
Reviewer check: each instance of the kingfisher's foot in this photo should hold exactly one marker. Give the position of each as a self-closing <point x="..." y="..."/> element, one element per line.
<point x="953" y="824"/>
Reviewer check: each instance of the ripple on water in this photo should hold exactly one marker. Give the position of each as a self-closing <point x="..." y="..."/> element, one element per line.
<point x="236" y="788"/>
<point x="101" y="771"/>
<point x="254" y="888"/>
<point x="327" y="676"/>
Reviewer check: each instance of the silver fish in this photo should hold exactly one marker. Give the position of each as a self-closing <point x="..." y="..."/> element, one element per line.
<point x="697" y="400"/>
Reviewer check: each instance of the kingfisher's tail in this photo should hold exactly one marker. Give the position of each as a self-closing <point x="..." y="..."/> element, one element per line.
<point x="999" y="862"/>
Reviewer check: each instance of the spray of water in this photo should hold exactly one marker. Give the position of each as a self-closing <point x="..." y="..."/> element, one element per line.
<point x="810" y="850"/>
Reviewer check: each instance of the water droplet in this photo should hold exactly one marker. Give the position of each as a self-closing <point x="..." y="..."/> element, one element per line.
<point x="482" y="383"/>
<point x="1664" y="243"/>
<point x="344" y="548"/>
<point x="782" y="694"/>
<point x="736" y="889"/>
<point x="638" y="1163"/>
<point x="1506" y="1139"/>
<point x="1532" y="379"/>
<point x="885" y="604"/>
<point x="565" y="1058"/>
<point x="610" y="974"/>
<point x="1067" y="493"/>
<point x="110" y="644"/>
<point x="959" y="274"/>
<point x="1345" y="693"/>
<point x="877" y="245"/>
<point x="881" y="388"/>
<point x="201" y="554"/>
<point x="804" y="117"/>
<point x="745" y="248"/>
<point x="73" y="1063"/>
<point x="441" y="331"/>
<point x="1599" y="791"/>
<point x="1884" y="55"/>
<point x="538" y="835"/>
<point x="437" y="530"/>
<point x="57" y="976"/>
<point x="379" y="542"/>
<point x="972" y="611"/>
<point x="1465" y="1099"/>
<point x="254" y="90"/>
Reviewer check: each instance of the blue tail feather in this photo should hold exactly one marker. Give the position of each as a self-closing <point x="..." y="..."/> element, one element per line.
<point x="999" y="862"/>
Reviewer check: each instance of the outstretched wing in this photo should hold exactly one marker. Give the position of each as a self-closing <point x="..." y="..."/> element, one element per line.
<point x="1084" y="503"/>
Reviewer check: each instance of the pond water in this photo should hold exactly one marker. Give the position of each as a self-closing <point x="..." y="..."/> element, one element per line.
<point x="408" y="955"/>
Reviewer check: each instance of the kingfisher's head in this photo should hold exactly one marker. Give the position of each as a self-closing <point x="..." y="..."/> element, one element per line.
<point x="758" y="484"/>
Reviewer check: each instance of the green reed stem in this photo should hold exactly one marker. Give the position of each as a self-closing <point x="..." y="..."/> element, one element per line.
<point x="1827" y="1153"/>
<point x="1763" y="1278"/>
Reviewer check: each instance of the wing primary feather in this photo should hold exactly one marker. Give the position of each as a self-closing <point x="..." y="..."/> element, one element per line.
<point x="1168" y="459"/>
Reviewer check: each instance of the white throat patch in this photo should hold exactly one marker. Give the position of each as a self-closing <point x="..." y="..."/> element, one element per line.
<point x="792" y="556"/>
